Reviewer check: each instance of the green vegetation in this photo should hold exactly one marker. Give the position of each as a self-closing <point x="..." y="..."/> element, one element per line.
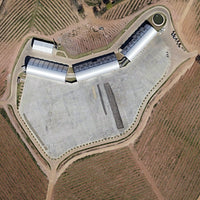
<point x="93" y="2"/>
<point x="5" y="116"/>
<point x="113" y="3"/>
<point x="158" y="19"/>
<point x="61" y="54"/>
<point x="109" y="5"/>
<point x="20" y="85"/>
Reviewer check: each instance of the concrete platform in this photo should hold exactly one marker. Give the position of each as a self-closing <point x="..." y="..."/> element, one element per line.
<point x="66" y="115"/>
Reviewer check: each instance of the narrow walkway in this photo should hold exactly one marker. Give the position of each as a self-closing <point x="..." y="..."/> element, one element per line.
<point x="146" y="173"/>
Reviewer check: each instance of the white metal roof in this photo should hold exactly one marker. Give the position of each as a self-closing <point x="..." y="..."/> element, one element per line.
<point x="140" y="43"/>
<point x="45" y="47"/>
<point x="95" y="71"/>
<point x="95" y="67"/>
<point x="47" y="69"/>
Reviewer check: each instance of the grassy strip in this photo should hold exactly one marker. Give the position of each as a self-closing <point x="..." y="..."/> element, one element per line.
<point x="86" y="157"/>
<point x="61" y="54"/>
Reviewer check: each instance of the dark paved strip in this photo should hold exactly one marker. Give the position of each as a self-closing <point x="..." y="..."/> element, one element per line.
<point x="113" y="105"/>
<point x="102" y="102"/>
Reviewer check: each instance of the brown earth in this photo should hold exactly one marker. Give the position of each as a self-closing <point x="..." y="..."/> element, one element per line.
<point x="38" y="22"/>
<point x="110" y="175"/>
<point x="170" y="143"/>
<point x="20" y="176"/>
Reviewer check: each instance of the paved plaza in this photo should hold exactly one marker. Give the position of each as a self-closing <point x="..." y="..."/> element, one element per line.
<point x="64" y="115"/>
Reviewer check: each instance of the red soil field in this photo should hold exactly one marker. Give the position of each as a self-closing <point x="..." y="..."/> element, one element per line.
<point x="20" y="176"/>
<point x="170" y="143"/>
<point x="110" y="175"/>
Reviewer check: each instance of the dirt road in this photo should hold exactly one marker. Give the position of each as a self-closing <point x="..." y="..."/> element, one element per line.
<point x="53" y="174"/>
<point x="146" y="173"/>
<point x="170" y="83"/>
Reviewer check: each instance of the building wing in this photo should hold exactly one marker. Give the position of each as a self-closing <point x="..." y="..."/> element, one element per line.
<point x="47" y="69"/>
<point x="95" y="66"/>
<point x="140" y="38"/>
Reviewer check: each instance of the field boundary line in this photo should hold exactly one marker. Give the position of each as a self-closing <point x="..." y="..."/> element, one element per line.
<point x="185" y="12"/>
<point x="145" y="172"/>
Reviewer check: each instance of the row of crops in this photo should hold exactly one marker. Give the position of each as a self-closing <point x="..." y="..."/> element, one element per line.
<point x="170" y="143"/>
<point x="20" y="176"/>
<point x="111" y="175"/>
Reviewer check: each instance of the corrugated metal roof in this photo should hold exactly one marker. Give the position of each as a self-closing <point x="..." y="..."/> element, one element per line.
<point x="47" y="69"/>
<point x="95" y="66"/>
<point x="141" y="37"/>
<point x="95" y="62"/>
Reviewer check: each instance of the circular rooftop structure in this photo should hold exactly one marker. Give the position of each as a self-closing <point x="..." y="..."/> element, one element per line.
<point x="158" y="19"/>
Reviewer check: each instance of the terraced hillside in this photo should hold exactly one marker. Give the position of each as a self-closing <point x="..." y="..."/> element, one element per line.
<point x="170" y="143"/>
<point x="21" y="178"/>
<point x="110" y="175"/>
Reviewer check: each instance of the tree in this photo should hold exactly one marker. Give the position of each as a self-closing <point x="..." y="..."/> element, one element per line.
<point x="80" y="9"/>
<point x="106" y="1"/>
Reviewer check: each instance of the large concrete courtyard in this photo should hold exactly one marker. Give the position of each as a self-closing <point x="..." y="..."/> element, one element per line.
<point x="63" y="116"/>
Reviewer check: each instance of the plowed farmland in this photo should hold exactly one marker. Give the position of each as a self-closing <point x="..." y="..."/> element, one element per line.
<point x="126" y="8"/>
<point x="110" y="175"/>
<point x="170" y="143"/>
<point x="20" y="176"/>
